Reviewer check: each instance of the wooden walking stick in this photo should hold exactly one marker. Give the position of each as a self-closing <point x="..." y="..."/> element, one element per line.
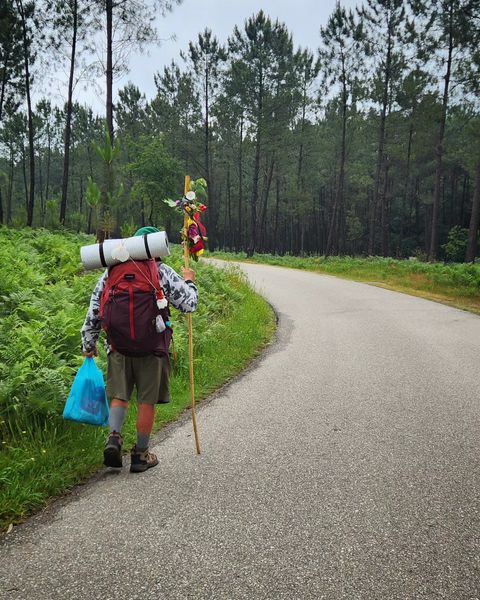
<point x="193" y="236"/>
<point x="186" y="258"/>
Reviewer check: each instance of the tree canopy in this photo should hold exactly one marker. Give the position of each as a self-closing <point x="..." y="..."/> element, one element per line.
<point x="366" y="144"/>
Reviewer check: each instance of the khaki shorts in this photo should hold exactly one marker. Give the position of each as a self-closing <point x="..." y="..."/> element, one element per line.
<point x="149" y="374"/>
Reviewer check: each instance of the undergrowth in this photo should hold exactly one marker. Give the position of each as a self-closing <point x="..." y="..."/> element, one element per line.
<point x="44" y="295"/>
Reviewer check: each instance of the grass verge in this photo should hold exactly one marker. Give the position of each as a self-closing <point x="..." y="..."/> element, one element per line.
<point x="44" y="299"/>
<point x="457" y="285"/>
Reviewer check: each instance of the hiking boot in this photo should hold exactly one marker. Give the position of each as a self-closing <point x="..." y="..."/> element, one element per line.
<point x="112" y="453"/>
<point x="141" y="460"/>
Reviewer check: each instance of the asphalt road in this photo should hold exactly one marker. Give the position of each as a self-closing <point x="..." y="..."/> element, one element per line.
<point x="343" y="465"/>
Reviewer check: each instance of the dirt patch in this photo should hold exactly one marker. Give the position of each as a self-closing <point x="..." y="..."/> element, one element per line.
<point x="418" y="278"/>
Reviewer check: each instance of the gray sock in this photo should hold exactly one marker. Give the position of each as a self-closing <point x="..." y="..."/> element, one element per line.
<point x="142" y="440"/>
<point x="116" y="418"/>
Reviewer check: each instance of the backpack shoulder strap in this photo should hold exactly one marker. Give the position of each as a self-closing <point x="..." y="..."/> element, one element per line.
<point x="154" y="274"/>
<point x="106" y="291"/>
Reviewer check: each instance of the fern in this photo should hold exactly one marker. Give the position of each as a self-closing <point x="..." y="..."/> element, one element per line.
<point x="44" y="297"/>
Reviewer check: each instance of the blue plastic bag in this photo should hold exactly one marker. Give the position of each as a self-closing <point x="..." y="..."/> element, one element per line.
<point x="87" y="401"/>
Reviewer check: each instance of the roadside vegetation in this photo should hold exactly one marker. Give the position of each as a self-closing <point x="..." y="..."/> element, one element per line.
<point x="44" y="294"/>
<point x="456" y="284"/>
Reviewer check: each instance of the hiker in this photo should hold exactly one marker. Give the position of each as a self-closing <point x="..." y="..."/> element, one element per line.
<point x="136" y="356"/>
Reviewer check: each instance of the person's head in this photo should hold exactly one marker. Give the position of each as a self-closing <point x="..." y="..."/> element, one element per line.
<point x="145" y="230"/>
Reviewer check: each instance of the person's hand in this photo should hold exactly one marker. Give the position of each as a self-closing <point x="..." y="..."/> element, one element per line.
<point x="90" y="353"/>
<point x="188" y="274"/>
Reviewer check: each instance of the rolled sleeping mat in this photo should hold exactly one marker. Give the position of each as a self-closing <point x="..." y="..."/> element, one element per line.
<point x="150" y="245"/>
<point x="113" y="252"/>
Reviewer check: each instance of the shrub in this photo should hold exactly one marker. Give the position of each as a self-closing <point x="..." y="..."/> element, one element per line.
<point x="456" y="244"/>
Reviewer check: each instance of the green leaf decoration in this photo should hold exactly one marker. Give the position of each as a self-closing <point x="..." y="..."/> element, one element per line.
<point x="170" y="203"/>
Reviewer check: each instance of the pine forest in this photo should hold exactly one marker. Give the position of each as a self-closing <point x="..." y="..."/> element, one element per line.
<point x="368" y="144"/>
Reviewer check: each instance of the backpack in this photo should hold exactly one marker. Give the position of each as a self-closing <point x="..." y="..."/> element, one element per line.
<point x="131" y="305"/>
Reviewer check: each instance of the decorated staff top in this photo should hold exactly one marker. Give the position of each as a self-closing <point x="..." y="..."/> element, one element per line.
<point x="191" y="206"/>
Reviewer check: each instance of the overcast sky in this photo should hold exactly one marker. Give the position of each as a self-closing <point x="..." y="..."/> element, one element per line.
<point x="302" y="17"/>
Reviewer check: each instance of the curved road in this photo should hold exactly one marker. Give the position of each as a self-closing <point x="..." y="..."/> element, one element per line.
<point x="343" y="465"/>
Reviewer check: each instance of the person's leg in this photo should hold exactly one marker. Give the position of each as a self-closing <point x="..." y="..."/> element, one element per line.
<point x="148" y="374"/>
<point x="112" y="452"/>
<point x="145" y="419"/>
<point x="119" y="389"/>
<point x="141" y="458"/>
<point x="117" y="414"/>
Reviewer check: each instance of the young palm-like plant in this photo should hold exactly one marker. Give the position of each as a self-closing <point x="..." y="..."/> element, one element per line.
<point x="110" y="196"/>
<point x="92" y="196"/>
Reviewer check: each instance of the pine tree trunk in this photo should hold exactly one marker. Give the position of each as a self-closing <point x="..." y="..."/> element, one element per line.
<point x="207" y="130"/>
<point x="24" y="173"/>
<point x="89" y="225"/>
<point x="4" y="82"/>
<point x="417" y="205"/>
<point x="225" y="215"/>
<point x="40" y="184"/>
<point x="474" y="219"/>
<point x="332" y="241"/>
<point x="31" y="136"/>
<point x="302" y="236"/>
<point x="10" y="189"/>
<point x="302" y="132"/>
<point x="385" y="216"/>
<point x="80" y="207"/>
<point x="49" y="161"/>
<point x="108" y="168"/>
<point x="260" y="244"/>
<point x="239" y="245"/>
<point x="256" y="171"/>
<point x="213" y="209"/>
<point x="212" y="206"/>
<point x="228" y="233"/>
<point x="432" y="255"/>
<point x="68" y="121"/>
<point x="109" y="69"/>
<point x="453" y="199"/>
<point x="277" y="210"/>
<point x="465" y="195"/>
<point x="406" y="189"/>
<point x="276" y="245"/>
<point x="381" y="146"/>
<point x="253" y="208"/>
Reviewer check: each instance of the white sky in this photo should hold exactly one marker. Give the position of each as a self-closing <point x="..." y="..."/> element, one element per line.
<point x="302" y="17"/>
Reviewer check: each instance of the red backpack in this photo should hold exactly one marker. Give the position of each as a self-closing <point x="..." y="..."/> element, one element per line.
<point x="129" y="309"/>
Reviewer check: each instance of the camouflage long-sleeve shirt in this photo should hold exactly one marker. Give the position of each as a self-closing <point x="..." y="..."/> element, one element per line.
<point x="181" y="294"/>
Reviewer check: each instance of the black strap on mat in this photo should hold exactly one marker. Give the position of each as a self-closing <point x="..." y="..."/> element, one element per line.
<point x="102" y="255"/>
<point x="145" y="241"/>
